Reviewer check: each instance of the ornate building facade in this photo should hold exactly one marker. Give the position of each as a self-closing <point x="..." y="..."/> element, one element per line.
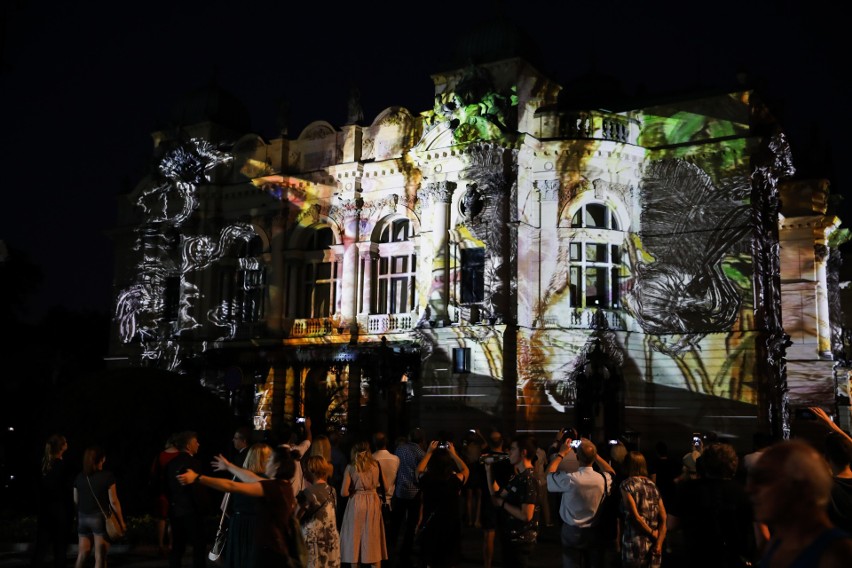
<point x="502" y="259"/>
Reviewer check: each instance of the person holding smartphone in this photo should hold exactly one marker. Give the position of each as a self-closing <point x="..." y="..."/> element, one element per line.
<point x="582" y="493"/>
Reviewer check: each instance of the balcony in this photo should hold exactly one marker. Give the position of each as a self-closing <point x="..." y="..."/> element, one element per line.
<point x="389" y="323"/>
<point x="312" y="327"/>
<point x="582" y="318"/>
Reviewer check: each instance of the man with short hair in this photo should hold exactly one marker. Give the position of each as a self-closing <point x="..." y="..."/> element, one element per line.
<point x="406" y="496"/>
<point x="188" y="504"/>
<point x="389" y="466"/>
<point x="582" y="492"/>
<point x="501" y="471"/>
<point x="241" y="440"/>
<point x="790" y="488"/>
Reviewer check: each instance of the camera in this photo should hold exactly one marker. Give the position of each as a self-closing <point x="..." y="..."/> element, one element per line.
<point x="300" y="420"/>
<point x="696" y="439"/>
<point x="443" y="444"/>
<point x="575" y="444"/>
<point x="613" y="442"/>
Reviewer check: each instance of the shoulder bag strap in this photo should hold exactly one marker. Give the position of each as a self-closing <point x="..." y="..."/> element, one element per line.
<point x="92" y="489"/>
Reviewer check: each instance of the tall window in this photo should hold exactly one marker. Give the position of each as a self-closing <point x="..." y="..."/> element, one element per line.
<point x="472" y="275"/>
<point x="319" y="282"/>
<point x="595" y="257"/>
<point x="395" y="270"/>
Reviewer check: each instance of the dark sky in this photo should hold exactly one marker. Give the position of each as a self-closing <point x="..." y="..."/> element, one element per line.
<point x="82" y="86"/>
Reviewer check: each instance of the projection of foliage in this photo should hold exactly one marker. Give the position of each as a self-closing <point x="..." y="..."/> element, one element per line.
<point x="158" y="306"/>
<point x="474" y="110"/>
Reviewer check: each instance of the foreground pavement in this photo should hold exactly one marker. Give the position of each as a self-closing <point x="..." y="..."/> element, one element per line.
<point x="547" y="554"/>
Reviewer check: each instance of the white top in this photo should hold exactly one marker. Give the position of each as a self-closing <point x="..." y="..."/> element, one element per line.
<point x="582" y="492"/>
<point x="390" y="465"/>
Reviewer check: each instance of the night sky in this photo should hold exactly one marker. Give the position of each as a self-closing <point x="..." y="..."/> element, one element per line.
<point x="83" y="86"/>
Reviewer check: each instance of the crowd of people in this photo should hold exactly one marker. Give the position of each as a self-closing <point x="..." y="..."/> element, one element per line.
<point x="300" y="500"/>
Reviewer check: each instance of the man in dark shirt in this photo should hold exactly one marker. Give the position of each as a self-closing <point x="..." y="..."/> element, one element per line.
<point x="188" y="504"/>
<point x="242" y="440"/>
<point x="501" y="471"/>
<point x="405" y="504"/>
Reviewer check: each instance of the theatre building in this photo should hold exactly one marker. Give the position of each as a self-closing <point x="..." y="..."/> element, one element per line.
<point x="506" y="259"/>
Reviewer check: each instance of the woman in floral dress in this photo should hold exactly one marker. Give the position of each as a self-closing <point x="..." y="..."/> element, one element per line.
<point x="317" y="504"/>
<point x="362" y="534"/>
<point x="644" y="528"/>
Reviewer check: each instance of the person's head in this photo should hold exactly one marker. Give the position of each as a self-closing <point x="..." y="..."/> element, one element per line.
<point x="495" y="441"/>
<point x="360" y="456"/>
<point x="522" y="449"/>
<point x="441" y="464"/>
<point x="242" y="438"/>
<point x="586" y="452"/>
<point x="719" y="461"/>
<point x="635" y="465"/>
<point x="257" y="457"/>
<point x="321" y="446"/>
<point x="281" y="464"/>
<point x="187" y="441"/>
<point x="380" y="441"/>
<point x="790" y="484"/>
<point x="618" y="453"/>
<point x="416" y="436"/>
<point x="171" y="442"/>
<point x="317" y="469"/>
<point x="54" y="447"/>
<point x="93" y="459"/>
<point x="838" y="451"/>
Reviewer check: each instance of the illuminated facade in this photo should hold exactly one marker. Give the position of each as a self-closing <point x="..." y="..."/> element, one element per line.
<point x="500" y="259"/>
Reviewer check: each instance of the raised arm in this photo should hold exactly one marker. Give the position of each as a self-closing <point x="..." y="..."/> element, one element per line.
<point x="823" y="417"/>
<point x="252" y="489"/>
<point x="220" y="463"/>
<point x="462" y="467"/>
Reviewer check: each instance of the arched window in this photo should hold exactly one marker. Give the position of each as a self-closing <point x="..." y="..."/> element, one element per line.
<point x="395" y="270"/>
<point x="319" y="277"/>
<point x="595" y="258"/>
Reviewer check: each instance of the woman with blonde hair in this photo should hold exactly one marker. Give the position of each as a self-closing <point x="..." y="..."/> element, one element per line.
<point x="240" y="550"/>
<point x="94" y="494"/>
<point x="317" y="504"/>
<point x="362" y="534"/>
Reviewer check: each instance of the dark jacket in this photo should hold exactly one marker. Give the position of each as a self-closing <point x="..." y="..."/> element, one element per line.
<point x="186" y="500"/>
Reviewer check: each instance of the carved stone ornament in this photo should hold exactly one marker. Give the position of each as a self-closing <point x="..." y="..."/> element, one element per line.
<point x="345" y="209"/>
<point x="549" y="189"/>
<point x="437" y="192"/>
<point x="603" y="187"/>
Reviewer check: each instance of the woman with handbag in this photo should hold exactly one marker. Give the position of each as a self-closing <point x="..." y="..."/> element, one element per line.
<point x="317" y="505"/>
<point x="362" y="534"/>
<point x="97" y="504"/>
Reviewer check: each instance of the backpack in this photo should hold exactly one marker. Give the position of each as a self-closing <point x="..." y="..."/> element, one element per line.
<point x="606" y="517"/>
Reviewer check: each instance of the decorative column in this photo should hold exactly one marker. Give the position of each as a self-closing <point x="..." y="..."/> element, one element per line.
<point x="823" y="319"/>
<point x="366" y="281"/>
<point x="437" y="197"/>
<point x="548" y="239"/>
<point x="347" y="215"/>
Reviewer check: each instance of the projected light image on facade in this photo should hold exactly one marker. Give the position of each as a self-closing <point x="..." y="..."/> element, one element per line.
<point x="501" y="258"/>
